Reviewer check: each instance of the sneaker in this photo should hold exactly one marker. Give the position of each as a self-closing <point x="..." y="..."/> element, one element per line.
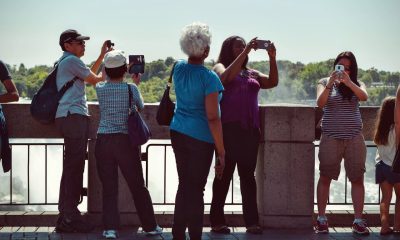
<point x="157" y="231"/>
<point x="68" y="225"/>
<point x="110" y="234"/>
<point x="360" y="227"/>
<point x="322" y="226"/>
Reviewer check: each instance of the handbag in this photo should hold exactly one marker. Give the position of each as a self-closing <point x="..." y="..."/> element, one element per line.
<point x="396" y="161"/>
<point x="165" y="111"/>
<point x="139" y="133"/>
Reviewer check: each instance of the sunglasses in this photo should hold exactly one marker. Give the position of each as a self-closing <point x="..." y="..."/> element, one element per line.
<point x="77" y="42"/>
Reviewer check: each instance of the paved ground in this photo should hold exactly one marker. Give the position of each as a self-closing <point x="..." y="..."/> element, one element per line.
<point x="47" y="233"/>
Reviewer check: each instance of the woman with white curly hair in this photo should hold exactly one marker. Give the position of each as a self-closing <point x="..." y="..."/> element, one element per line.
<point x="195" y="129"/>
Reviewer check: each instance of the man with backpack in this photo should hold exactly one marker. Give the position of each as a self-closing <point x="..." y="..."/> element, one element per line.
<point x="72" y="120"/>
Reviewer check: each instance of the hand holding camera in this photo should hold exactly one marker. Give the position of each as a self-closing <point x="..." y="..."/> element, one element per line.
<point x="136" y="64"/>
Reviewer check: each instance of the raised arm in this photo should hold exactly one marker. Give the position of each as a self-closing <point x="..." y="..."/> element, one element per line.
<point x="94" y="78"/>
<point x="227" y="74"/>
<point x="273" y="78"/>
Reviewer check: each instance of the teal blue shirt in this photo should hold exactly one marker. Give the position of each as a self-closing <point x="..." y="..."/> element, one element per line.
<point x="192" y="84"/>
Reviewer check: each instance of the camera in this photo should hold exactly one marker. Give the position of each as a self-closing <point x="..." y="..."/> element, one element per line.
<point x="262" y="44"/>
<point x="109" y="43"/>
<point x="136" y="64"/>
<point x="339" y="68"/>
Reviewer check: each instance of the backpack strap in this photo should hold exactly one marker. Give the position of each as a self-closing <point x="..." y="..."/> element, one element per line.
<point x="69" y="83"/>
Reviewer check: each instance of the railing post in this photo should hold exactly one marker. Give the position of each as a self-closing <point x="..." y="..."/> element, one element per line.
<point x="285" y="168"/>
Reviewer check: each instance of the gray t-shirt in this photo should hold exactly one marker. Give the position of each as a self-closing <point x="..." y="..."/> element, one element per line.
<point x="74" y="99"/>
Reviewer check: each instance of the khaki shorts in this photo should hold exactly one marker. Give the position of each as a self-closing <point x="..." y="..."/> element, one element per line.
<point x="332" y="151"/>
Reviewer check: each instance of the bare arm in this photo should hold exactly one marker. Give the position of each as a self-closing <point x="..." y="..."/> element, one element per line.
<point x="323" y="91"/>
<point x="397" y="116"/>
<point x="94" y="78"/>
<point x="12" y="93"/>
<point x="229" y="73"/>
<point x="214" y="122"/>
<point x="272" y="80"/>
<point x="359" y="91"/>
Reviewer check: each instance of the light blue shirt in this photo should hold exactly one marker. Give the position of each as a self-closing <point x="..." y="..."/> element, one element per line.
<point x="192" y="84"/>
<point x="74" y="99"/>
<point x="114" y="107"/>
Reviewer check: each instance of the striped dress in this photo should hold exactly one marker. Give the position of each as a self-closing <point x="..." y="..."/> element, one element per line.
<point x="341" y="118"/>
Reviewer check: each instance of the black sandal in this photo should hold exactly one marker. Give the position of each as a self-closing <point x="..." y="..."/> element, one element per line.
<point x="221" y="230"/>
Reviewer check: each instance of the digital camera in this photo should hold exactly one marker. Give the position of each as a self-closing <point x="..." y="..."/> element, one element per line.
<point x="136" y="64"/>
<point x="262" y="44"/>
<point x="339" y="68"/>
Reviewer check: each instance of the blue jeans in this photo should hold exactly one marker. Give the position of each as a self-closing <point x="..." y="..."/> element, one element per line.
<point x="193" y="161"/>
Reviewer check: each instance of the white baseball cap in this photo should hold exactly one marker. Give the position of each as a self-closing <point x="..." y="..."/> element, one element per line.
<point x="114" y="59"/>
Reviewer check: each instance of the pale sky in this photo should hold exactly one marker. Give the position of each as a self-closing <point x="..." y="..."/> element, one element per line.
<point x="303" y="30"/>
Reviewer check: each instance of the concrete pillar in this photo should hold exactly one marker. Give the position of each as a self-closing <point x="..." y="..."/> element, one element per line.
<point x="285" y="168"/>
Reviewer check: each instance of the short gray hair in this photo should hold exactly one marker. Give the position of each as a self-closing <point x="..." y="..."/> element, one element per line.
<point x="195" y="38"/>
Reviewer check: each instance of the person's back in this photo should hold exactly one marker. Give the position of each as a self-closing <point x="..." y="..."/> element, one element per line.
<point x="114" y="149"/>
<point x="192" y="84"/>
<point x="114" y="106"/>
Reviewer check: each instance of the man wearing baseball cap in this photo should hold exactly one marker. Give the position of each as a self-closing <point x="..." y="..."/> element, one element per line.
<point x="72" y="120"/>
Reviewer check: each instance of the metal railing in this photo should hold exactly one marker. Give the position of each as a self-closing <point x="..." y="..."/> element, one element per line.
<point x="148" y="150"/>
<point x="27" y="200"/>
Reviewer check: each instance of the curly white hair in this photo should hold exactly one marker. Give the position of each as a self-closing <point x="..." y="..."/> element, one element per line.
<point x="195" y="38"/>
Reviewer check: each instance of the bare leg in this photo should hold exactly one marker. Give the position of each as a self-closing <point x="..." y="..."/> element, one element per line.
<point x="357" y="194"/>
<point x="323" y="194"/>
<point x="397" y="208"/>
<point x="387" y="190"/>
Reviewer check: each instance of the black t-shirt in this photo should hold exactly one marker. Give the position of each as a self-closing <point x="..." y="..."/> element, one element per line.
<point x="4" y="73"/>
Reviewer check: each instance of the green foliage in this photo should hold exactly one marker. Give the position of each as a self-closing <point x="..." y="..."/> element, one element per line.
<point x="297" y="81"/>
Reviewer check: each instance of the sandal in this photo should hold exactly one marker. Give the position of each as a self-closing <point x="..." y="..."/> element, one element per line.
<point x="254" y="230"/>
<point x="388" y="232"/>
<point x="221" y="229"/>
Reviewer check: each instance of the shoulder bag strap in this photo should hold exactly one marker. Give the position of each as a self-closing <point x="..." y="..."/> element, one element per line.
<point x="130" y="98"/>
<point x="169" y="83"/>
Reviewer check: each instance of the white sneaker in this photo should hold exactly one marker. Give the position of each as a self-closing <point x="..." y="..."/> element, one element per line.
<point x="110" y="234"/>
<point x="157" y="231"/>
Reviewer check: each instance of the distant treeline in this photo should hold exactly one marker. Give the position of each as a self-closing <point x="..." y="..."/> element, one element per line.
<point x="297" y="81"/>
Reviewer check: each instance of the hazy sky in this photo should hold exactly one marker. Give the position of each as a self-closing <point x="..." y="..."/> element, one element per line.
<point x="303" y="30"/>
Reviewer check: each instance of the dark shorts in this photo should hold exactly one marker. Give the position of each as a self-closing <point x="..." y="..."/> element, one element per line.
<point x="383" y="172"/>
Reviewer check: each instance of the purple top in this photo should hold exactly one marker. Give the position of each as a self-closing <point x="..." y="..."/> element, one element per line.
<point x="240" y="100"/>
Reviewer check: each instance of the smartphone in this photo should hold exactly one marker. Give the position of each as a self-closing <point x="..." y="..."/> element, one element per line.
<point x="339" y="68"/>
<point x="109" y="43"/>
<point x="262" y="44"/>
<point x="136" y="63"/>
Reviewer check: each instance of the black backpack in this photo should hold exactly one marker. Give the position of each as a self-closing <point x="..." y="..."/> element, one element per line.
<point x="45" y="102"/>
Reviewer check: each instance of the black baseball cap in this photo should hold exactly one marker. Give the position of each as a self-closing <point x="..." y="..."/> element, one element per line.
<point x="70" y="35"/>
